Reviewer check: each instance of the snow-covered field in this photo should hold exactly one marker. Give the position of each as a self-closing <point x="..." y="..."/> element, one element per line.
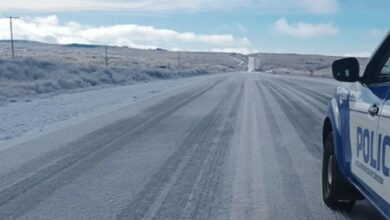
<point x="42" y="115"/>
<point x="124" y="57"/>
<point x="42" y="69"/>
<point x="298" y="64"/>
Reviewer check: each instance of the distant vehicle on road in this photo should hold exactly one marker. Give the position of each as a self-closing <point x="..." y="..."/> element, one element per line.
<point x="356" y="134"/>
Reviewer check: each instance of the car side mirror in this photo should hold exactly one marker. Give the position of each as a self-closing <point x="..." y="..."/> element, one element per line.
<point x="346" y="70"/>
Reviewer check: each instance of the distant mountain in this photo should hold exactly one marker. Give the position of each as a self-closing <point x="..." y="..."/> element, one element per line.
<point x="41" y="43"/>
<point x="82" y="45"/>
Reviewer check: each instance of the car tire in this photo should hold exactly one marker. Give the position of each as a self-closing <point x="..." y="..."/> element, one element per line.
<point x="336" y="191"/>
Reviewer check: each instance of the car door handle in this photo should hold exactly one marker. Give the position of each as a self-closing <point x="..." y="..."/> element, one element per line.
<point x="374" y="109"/>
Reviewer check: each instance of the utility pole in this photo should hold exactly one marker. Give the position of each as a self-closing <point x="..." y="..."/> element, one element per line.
<point x="106" y="57"/>
<point x="179" y="58"/>
<point x="12" y="35"/>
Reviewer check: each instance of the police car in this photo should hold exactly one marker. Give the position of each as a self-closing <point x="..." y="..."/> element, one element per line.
<point x="356" y="134"/>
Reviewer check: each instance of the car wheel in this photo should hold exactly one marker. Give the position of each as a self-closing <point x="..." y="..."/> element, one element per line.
<point x="335" y="189"/>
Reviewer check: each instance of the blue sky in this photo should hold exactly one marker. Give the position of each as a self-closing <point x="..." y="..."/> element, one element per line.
<point x="333" y="27"/>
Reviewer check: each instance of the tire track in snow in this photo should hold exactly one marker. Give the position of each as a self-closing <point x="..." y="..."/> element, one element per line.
<point x="284" y="93"/>
<point x="301" y="119"/>
<point x="250" y="198"/>
<point x="151" y="199"/>
<point x="301" y="99"/>
<point x="292" y="185"/>
<point x="320" y="96"/>
<point x="101" y="136"/>
<point x="307" y="97"/>
<point x="24" y="194"/>
<point x="207" y="189"/>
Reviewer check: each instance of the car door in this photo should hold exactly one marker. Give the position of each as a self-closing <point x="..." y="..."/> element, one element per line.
<point x="370" y="125"/>
<point x="365" y="103"/>
<point x="384" y="139"/>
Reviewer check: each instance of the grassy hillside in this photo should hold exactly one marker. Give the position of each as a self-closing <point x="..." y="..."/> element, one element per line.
<point x="124" y="57"/>
<point x="47" y="68"/>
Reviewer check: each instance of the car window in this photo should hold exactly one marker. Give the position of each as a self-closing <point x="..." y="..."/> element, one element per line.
<point x="386" y="69"/>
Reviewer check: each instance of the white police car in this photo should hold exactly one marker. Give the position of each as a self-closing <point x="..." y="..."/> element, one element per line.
<point x="356" y="134"/>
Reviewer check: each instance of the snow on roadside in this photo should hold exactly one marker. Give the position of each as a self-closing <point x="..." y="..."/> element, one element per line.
<point x="41" y="115"/>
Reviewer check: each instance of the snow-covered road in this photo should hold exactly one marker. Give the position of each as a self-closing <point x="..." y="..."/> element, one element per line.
<point x="251" y="64"/>
<point x="43" y="115"/>
<point x="234" y="146"/>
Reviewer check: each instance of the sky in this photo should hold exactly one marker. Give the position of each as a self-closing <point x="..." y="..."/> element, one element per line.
<point x="329" y="27"/>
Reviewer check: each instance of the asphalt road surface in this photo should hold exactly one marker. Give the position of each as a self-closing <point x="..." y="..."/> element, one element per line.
<point x="239" y="146"/>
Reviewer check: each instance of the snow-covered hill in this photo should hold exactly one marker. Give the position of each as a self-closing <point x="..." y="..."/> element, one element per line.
<point x="297" y="64"/>
<point x="40" y="69"/>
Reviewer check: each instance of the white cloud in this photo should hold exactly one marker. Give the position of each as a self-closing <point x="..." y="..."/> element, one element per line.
<point x="304" y="30"/>
<point x="49" y="29"/>
<point x="312" y="6"/>
<point x="242" y="50"/>
<point x="358" y="54"/>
